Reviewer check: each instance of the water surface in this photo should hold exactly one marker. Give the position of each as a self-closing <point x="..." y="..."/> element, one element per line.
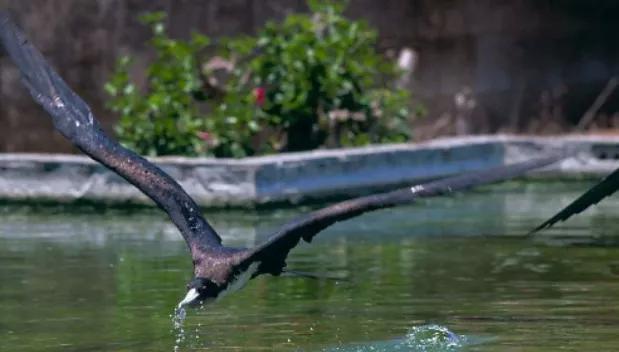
<point x="96" y="279"/>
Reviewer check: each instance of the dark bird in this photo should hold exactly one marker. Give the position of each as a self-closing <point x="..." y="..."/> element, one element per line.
<point x="606" y="187"/>
<point x="217" y="269"/>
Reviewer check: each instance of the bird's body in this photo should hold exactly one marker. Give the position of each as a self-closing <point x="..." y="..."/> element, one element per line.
<point x="240" y="280"/>
<point x="217" y="269"/>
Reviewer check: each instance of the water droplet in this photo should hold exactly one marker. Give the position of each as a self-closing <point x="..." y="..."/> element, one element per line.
<point x="58" y="102"/>
<point x="417" y="188"/>
<point x="178" y="320"/>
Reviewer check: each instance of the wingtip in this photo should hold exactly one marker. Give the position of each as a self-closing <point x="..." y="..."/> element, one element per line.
<point x="9" y="31"/>
<point x="545" y="225"/>
<point x="5" y="17"/>
<point x="535" y="231"/>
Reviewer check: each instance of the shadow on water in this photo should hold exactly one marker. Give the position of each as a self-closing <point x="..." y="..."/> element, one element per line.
<point x="108" y="279"/>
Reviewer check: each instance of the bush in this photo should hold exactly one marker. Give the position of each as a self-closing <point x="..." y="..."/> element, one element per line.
<point x="312" y="81"/>
<point x="167" y="119"/>
<point x="320" y="82"/>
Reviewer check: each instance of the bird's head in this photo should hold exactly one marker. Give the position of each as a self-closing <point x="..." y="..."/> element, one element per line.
<point x="200" y="291"/>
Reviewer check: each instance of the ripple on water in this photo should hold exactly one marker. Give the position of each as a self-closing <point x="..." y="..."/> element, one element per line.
<point x="403" y="266"/>
<point x="425" y="338"/>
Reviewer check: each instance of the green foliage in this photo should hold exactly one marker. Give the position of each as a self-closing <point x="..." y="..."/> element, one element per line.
<point x="324" y="82"/>
<point x="167" y="119"/>
<point x="312" y="81"/>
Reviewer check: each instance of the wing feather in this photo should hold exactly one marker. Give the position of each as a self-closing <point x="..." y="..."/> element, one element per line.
<point x="606" y="187"/>
<point x="73" y="118"/>
<point x="272" y="253"/>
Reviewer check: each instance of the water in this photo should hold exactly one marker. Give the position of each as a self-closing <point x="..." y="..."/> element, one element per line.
<point x="425" y="338"/>
<point x="96" y="279"/>
<point x="178" y="321"/>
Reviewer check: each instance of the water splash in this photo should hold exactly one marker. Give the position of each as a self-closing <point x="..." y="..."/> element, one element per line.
<point x="425" y="338"/>
<point x="433" y="338"/>
<point x="178" y="321"/>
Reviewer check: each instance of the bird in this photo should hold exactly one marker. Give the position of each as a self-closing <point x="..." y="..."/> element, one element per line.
<point x="217" y="269"/>
<point x="601" y="190"/>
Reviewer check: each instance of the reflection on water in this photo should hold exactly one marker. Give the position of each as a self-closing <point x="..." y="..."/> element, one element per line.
<point x="98" y="279"/>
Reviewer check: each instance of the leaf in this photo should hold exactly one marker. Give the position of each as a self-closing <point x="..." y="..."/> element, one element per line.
<point x="305" y="66"/>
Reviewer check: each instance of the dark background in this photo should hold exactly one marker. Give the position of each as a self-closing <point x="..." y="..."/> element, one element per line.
<point x="532" y="66"/>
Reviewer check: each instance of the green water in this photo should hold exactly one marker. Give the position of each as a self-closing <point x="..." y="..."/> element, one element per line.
<point x="88" y="279"/>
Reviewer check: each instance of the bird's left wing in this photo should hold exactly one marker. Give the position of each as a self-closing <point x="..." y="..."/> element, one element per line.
<point x="606" y="187"/>
<point x="272" y="253"/>
<point x="73" y="118"/>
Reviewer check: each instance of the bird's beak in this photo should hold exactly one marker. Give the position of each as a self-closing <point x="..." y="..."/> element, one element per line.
<point x="192" y="294"/>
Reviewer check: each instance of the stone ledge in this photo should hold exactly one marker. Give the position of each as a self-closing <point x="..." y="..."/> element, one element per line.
<point x="297" y="177"/>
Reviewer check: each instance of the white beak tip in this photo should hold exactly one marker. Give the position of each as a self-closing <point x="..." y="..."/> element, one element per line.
<point x="191" y="296"/>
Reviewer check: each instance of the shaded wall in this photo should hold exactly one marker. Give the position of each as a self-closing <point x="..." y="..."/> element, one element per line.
<point x="516" y="56"/>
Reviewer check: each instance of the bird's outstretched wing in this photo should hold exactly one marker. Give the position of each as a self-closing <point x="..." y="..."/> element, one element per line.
<point x="606" y="187"/>
<point x="73" y="119"/>
<point x="272" y="253"/>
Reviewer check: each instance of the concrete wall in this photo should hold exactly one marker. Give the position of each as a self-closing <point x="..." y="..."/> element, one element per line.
<point x="300" y="177"/>
<point x="522" y="59"/>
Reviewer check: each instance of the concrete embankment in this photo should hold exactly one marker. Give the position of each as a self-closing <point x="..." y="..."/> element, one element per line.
<point x="298" y="177"/>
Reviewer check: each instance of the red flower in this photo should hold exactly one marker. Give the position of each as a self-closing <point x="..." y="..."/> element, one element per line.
<point x="205" y="136"/>
<point x="260" y="95"/>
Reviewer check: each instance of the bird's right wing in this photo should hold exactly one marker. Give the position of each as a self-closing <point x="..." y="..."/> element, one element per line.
<point x="272" y="253"/>
<point x="606" y="187"/>
<point x="73" y="118"/>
